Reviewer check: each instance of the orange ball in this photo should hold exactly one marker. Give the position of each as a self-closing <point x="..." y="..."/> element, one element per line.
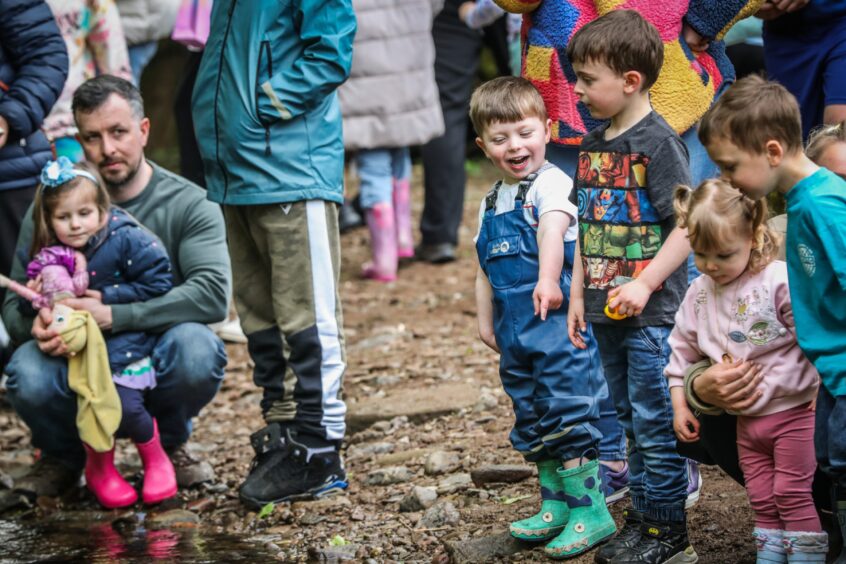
<point x="612" y="313"/>
<point x="518" y="6"/>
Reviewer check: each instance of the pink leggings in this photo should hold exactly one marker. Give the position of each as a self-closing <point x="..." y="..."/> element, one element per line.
<point x="777" y="458"/>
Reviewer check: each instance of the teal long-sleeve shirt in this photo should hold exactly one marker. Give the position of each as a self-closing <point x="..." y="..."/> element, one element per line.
<point x="816" y="247"/>
<point x="192" y="231"/>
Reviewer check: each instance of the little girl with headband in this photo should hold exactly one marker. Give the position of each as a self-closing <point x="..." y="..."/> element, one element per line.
<point x="84" y="246"/>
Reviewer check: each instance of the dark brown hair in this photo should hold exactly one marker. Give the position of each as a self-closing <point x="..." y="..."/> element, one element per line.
<point x="624" y="41"/>
<point x="717" y="212"/>
<point x="752" y="112"/>
<point x="504" y="100"/>
<point x="47" y="197"/>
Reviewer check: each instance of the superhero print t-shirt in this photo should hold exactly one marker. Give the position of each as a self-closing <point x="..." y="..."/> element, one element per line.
<point x="624" y="190"/>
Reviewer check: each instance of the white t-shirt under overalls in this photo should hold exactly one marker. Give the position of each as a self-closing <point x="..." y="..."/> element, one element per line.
<point x="549" y="192"/>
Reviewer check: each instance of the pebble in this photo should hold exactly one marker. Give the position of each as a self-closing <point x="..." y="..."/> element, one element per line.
<point x="175" y="518"/>
<point x="388" y="380"/>
<point x="200" y="505"/>
<point x="500" y="473"/>
<point x="332" y="553"/>
<point x="369" y="449"/>
<point x="6" y="481"/>
<point x="486" y="548"/>
<point x="387" y="476"/>
<point x="454" y="483"/>
<point x="440" y="515"/>
<point x="381" y="426"/>
<point x="311" y="519"/>
<point x="216" y="488"/>
<point x="418" y="499"/>
<point x="357" y="514"/>
<point x="440" y="462"/>
<point x="486" y="402"/>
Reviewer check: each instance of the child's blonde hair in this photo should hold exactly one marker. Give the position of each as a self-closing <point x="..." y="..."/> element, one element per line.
<point x="506" y="99"/>
<point x="823" y="137"/>
<point x="48" y="197"/>
<point x="717" y="212"/>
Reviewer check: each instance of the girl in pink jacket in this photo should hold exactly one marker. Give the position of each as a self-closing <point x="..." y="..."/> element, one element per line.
<point x="740" y="310"/>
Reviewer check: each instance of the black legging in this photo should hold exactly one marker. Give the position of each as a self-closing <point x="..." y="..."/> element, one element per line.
<point x="135" y="423"/>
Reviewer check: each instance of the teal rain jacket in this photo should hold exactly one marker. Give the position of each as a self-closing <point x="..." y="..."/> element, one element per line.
<point x="265" y="111"/>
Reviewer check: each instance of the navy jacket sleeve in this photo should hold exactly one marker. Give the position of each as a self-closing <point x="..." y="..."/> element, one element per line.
<point x="145" y="269"/>
<point x="713" y="18"/>
<point x="33" y="64"/>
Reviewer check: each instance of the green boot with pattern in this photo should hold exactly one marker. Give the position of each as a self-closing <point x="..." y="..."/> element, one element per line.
<point x="589" y="523"/>
<point x="552" y="517"/>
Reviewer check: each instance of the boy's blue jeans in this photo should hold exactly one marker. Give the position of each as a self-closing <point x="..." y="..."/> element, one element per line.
<point x="634" y="359"/>
<point x="830" y="436"/>
<point x="189" y="361"/>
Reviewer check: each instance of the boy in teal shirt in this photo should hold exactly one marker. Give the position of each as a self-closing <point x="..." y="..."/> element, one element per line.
<point x="754" y="134"/>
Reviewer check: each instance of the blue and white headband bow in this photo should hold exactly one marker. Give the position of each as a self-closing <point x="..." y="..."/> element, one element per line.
<point x="58" y="172"/>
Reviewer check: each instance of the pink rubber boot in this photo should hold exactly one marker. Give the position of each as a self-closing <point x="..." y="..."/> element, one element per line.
<point x="159" y="476"/>
<point x="402" y="213"/>
<point x="383" y="243"/>
<point x="105" y="482"/>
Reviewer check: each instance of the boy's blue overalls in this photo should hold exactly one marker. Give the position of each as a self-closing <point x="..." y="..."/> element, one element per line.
<point x="555" y="387"/>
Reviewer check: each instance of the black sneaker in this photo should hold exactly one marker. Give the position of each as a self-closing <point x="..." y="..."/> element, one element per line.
<point x="660" y="543"/>
<point x="628" y="536"/>
<point x="48" y="477"/>
<point x="436" y="254"/>
<point x="283" y="471"/>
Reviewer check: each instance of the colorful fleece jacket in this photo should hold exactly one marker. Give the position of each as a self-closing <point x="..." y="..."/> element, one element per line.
<point x="687" y="85"/>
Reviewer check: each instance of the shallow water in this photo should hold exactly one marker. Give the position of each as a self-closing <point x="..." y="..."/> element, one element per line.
<point x="93" y="537"/>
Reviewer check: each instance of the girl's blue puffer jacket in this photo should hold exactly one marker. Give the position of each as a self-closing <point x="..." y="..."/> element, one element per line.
<point x="127" y="264"/>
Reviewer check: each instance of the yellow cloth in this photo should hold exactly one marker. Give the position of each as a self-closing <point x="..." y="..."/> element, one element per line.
<point x="98" y="405"/>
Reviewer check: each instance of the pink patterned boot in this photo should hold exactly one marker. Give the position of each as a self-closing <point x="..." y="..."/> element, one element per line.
<point x="383" y="243"/>
<point x="105" y="482"/>
<point x="159" y="476"/>
<point x="402" y="213"/>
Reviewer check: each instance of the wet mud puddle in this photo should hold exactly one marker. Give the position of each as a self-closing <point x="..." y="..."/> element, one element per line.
<point x="100" y="537"/>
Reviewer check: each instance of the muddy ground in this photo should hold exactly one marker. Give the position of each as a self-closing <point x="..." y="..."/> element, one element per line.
<point x="425" y="410"/>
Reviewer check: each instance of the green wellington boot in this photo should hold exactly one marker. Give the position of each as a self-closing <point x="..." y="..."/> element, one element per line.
<point x="589" y="523"/>
<point x="552" y="517"/>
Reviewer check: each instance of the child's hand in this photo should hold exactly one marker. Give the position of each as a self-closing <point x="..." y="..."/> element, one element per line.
<point x="97" y="295"/>
<point x="772" y="9"/>
<point x="685" y="424"/>
<point x="34" y="284"/>
<point x="696" y="42"/>
<point x="547" y="295"/>
<point x="464" y="10"/>
<point x="487" y="336"/>
<point x="813" y="405"/>
<point x="576" y="324"/>
<point x="630" y="298"/>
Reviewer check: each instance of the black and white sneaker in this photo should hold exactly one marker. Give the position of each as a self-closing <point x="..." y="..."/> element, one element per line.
<point x="660" y="543"/>
<point x="628" y="536"/>
<point x="286" y="470"/>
